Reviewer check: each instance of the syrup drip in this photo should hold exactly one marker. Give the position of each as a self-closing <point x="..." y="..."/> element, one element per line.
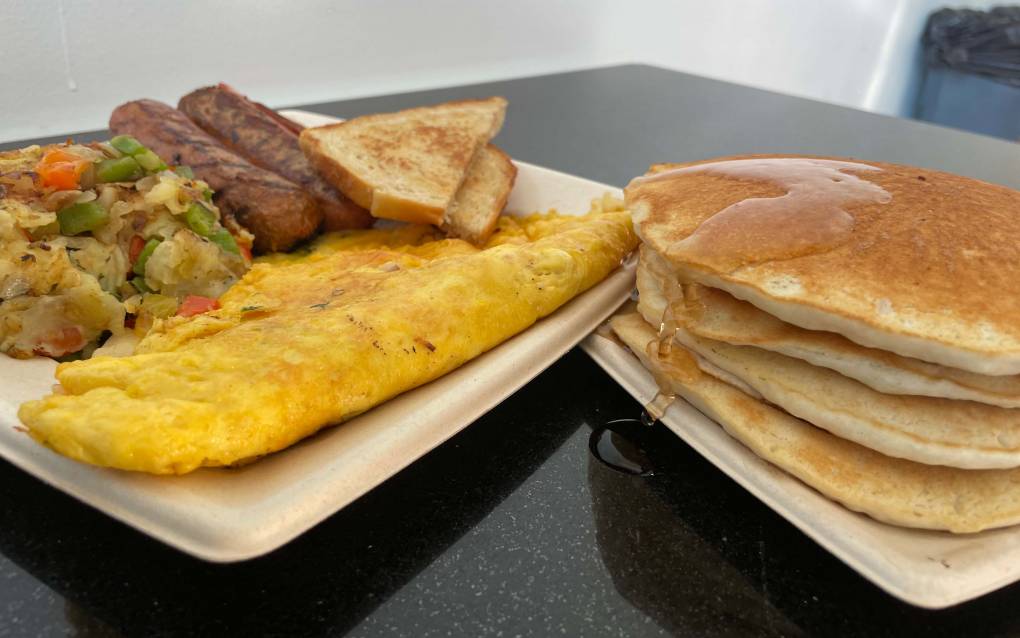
<point x="665" y="397"/>
<point x="618" y="445"/>
<point x="669" y="324"/>
<point x="655" y="408"/>
<point x="810" y="218"/>
<point x="671" y="364"/>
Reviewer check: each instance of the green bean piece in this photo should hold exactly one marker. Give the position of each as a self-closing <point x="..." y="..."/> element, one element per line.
<point x="225" y="240"/>
<point x="80" y="218"/>
<point x="143" y="257"/>
<point x="185" y="172"/>
<point x="122" y="169"/>
<point x="150" y="161"/>
<point x="140" y="285"/>
<point x="200" y="219"/>
<point x="127" y="145"/>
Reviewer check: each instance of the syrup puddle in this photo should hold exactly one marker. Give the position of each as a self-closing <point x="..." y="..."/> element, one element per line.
<point x="811" y="216"/>
<point x="618" y="445"/>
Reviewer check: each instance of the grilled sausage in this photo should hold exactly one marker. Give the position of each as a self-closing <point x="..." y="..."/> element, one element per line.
<point x="278" y="212"/>
<point x="266" y="139"/>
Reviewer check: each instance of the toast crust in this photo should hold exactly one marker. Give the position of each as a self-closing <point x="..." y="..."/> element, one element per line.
<point x="475" y="210"/>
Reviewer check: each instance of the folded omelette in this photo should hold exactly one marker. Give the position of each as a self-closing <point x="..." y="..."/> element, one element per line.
<point x="302" y="342"/>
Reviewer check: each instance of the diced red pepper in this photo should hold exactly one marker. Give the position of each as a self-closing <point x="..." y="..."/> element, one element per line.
<point x="61" y="170"/>
<point x="245" y="252"/>
<point x="135" y="248"/>
<point x="196" y="305"/>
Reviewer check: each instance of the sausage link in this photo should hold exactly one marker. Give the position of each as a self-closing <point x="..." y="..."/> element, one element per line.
<point x="265" y="139"/>
<point x="278" y="212"/>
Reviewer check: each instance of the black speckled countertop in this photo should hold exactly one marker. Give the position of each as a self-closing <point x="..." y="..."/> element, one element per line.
<point x="512" y="527"/>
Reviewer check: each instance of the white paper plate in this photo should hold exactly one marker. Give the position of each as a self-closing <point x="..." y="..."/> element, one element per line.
<point x="928" y="569"/>
<point x="227" y="515"/>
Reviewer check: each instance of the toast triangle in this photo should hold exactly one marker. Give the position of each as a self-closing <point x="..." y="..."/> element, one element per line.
<point x="475" y="209"/>
<point x="406" y="165"/>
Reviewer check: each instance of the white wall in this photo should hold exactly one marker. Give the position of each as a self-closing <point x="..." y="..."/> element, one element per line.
<point x="859" y="53"/>
<point x="64" y="64"/>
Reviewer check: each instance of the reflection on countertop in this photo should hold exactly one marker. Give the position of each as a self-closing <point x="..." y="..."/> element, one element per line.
<point x="663" y="566"/>
<point x="510" y="526"/>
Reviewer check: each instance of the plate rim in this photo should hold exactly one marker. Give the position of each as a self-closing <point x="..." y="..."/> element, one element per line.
<point x="912" y="588"/>
<point x="226" y="539"/>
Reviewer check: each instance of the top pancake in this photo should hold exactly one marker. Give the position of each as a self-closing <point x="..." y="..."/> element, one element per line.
<point x="917" y="262"/>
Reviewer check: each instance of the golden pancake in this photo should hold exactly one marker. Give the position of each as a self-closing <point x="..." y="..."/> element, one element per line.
<point x="891" y="490"/>
<point x="714" y="314"/>
<point x="924" y="429"/>
<point x="917" y="262"/>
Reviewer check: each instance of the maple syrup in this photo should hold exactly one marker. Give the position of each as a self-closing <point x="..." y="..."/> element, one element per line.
<point x="810" y="218"/>
<point x="617" y="445"/>
<point x="676" y="364"/>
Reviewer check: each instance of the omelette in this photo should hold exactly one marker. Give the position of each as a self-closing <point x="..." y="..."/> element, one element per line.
<point x="309" y="340"/>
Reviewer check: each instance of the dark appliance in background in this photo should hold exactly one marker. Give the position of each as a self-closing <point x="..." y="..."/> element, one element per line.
<point x="971" y="76"/>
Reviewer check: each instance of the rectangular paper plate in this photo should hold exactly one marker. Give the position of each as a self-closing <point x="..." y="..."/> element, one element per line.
<point x="231" y="514"/>
<point x="928" y="569"/>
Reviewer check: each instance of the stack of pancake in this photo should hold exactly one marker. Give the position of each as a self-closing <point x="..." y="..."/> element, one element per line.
<point x="855" y="323"/>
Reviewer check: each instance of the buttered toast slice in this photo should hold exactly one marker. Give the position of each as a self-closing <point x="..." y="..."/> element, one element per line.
<point x="475" y="209"/>
<point x="406" y="165"/>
